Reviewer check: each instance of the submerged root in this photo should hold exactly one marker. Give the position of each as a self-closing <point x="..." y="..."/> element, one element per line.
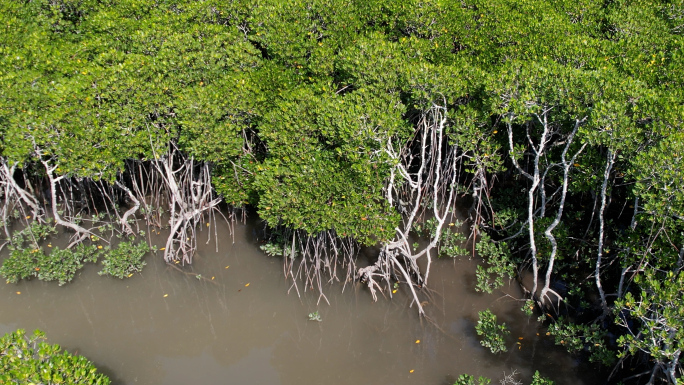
<point x="191" y="202"/>
<point x="422" y="184"/>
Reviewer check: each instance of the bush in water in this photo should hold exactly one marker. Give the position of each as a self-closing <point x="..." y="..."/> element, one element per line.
<point x="30" y="360"/>
<point x="493" y="334"/>
<point x="125" y="260"/>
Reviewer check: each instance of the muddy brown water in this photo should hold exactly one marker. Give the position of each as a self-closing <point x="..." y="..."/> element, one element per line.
<point x="242" y="327"/>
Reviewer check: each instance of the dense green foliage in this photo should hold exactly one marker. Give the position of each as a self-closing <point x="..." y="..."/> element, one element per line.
<point x="124" y="260"/>
<point x="33" y="255"/>
<point x="492" y="333"/>
<point x="565" y="117"/>
<point x="30" y="360"/>
<point x="28" y="259"/>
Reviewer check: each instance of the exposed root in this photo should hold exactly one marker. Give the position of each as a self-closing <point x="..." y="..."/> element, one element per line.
<point x="428" y="168"/>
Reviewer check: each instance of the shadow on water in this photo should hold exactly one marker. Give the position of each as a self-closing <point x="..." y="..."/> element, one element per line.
<point x="239" y="325"/>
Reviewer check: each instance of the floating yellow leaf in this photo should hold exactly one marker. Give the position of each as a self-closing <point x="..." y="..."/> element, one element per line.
<point x="207" y="224"/>
<point x="163" y="248"/>
<point x="130" y="275"/>
<point x="520" y="338"/>
<point x="417" y="341"/>
<point x="394" y="291"/>
<point x="212" y="278"/>
<point x="247" y="285"/>
<point x="28" y="217"/>
<point x="227" y="267"/>
<point x="166" y="295"/>
<point x="411" y="371"/>
<point x="99" y="246"/>
<point x="49" y="245"/>
<point x="576" y="164"/>
<point x="18" y="292"/>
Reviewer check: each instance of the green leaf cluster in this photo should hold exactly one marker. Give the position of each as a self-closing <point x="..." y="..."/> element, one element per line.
<point x="124" y="260"/>
<point x="498" y="264"/>
<point x="493" y="334"/>
<point x="583" y="338"/>
<point x="28" y="259"/>
<point x="28" y="360"/>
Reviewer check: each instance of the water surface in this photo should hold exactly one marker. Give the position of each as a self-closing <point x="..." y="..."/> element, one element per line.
<point x="239" y="325"/>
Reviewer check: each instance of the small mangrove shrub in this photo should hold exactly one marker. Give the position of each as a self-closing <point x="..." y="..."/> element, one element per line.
<point x="578" y="338"/>
<point x="315" y="317"/>
<point x="493" y="334"/>
<point x="277" y="250"/>
<point x="450" y="240"/>
<point x="27" y="259"/>
<point x="537" y="379"/>
<point x="125" y="260"/>
<point x="59" y="265"/>
<point x="467" y="379"/>
<point x="30" y="360"/>
<point x="498" y="263"/>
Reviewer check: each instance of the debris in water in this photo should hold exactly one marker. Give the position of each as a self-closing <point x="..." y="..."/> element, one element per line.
<point x="18" y="292"/>
<point x="411" y="371"/>
<point x="227" y="267"/>
<point x="247" y="284"/>
<point x="417" y="341"/>
<point x="166" y="295"/>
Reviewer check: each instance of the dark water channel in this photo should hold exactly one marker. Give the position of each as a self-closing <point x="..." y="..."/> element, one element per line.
<point x="242" y="327"/>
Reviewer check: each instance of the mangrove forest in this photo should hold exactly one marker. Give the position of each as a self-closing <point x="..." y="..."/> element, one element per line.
<point x="370" y="140"/>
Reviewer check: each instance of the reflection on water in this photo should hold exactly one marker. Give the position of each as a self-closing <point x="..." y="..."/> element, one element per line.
<point x="165" y="327"/>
